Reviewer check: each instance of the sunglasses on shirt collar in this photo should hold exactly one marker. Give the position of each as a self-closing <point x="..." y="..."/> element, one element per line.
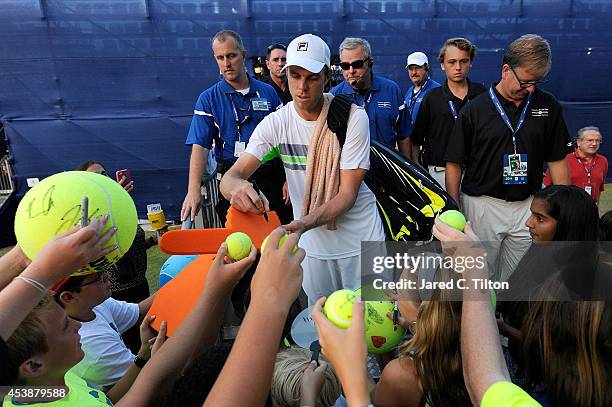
<point x="355" y="64"/>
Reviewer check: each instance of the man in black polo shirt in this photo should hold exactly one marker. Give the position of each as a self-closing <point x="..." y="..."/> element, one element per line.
<point x="503" y="137"/>
<point x="276" y="59"/>
<point x="438" y="112"/>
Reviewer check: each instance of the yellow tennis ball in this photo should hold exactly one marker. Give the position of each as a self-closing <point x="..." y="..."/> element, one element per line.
<point x="238" y="245"/>
<point x="338" y="307"/>
<point x="281" y="242"/>
<point x="381" y="335"/>
<point x="454" y="219"/>
<point x="53" y="206"/>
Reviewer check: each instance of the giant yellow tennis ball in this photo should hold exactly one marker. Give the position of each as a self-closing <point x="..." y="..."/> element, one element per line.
<point x="238" y="245"/>
<point x="454" y="219"/>
<point x="281" y="242"/>
<point x="54" y="206"/>
<point x="381" y="335"/>
<point x="338" y="308"/>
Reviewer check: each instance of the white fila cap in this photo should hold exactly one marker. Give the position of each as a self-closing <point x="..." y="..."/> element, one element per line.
<point x="309" y="52"/>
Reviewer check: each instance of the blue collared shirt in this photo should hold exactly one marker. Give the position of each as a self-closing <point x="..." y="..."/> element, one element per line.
<point x="413" y="101"/>
<point x="221" y="112"/>
<point x="384" y="103"/>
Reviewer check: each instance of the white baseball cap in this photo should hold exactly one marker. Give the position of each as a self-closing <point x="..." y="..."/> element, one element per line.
<point x="417" y="58"/>
<point x="309" y="52"/>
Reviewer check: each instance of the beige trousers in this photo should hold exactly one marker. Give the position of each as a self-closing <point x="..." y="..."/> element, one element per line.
<point x="501" y="224"/>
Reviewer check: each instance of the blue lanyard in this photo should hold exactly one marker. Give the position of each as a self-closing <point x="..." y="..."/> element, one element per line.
<point x="505" y="118"/>
<point x="415" y="96"/>
<point x="245" y="119"/>
<point x="452" y="109"/>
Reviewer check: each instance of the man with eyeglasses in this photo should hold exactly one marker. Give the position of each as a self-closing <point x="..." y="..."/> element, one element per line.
<point x="381" y="97"/>
<point x="440" y="108"/>
<point x="503" y="138"/>
<point x="276" y="58"/>
<point x="227" y="113"/>
<point x="588" y="170"/>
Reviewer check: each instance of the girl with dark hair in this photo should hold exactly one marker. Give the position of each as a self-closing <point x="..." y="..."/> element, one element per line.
<point x="573" y="210"/>
<point x="567" y="216"/>
<point x="567" y="348"/>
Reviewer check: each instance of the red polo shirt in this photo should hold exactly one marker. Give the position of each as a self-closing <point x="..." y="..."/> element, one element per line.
<point x="579" y="174"/>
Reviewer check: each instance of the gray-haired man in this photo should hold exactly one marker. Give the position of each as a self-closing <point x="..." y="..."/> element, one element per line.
<point x="588" y="170"/>
<point x="381" y="97"/>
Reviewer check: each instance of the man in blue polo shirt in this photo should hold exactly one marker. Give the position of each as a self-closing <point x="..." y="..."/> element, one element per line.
<point x="417" y="66"/>
<point x="381" y="97"/>
<point x="227" y="113"/>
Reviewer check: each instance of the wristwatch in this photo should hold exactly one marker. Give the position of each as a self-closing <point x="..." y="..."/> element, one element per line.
<point x="140" y="362"/>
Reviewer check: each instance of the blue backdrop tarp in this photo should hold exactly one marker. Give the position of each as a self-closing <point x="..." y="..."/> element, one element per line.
<point x="152" y="149"/>
<point x="116" y="80"/>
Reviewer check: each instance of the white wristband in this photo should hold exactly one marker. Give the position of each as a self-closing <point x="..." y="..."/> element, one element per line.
<point x="33" y="283"/>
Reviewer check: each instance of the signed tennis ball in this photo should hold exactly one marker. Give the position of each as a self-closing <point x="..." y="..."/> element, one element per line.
<point x="54" y="206"/>
<point x="238" y="245"/>
<point x="338" y="308"/>
<point x="381" y="335"/>
<point x="281" y="242"/>
<point x="454" y="219"/>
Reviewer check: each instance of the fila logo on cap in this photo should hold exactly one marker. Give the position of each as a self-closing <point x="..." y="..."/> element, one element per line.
<point x="302" y="46"/>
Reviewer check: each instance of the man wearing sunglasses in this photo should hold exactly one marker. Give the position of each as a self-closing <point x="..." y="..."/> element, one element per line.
<point x="276" y="59"/>
<point x="381" y="97"/>
<point x="108" y="363"/>
<point x="227" y="113"/>
<point x="503" y="138"/>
